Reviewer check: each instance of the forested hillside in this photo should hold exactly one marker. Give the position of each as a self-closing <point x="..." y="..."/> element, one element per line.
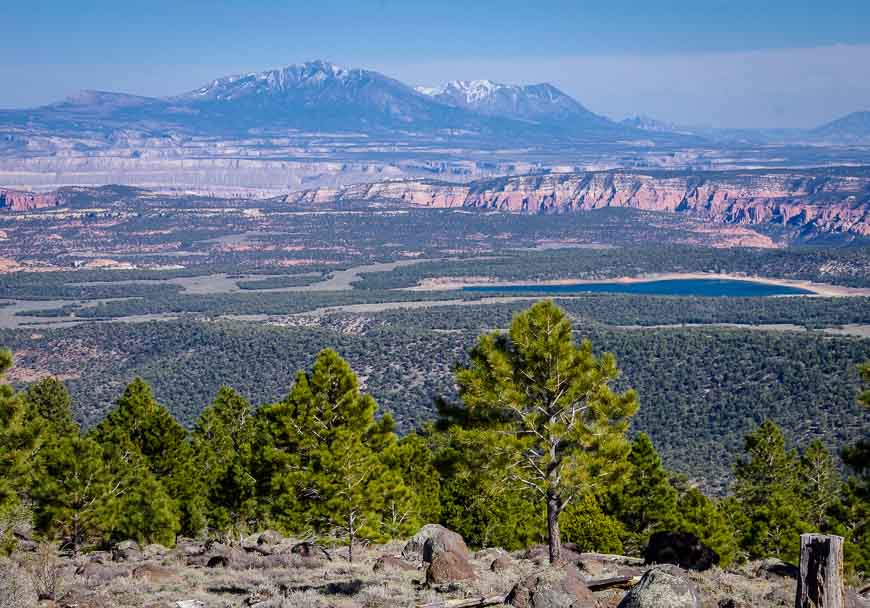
<point x="701" y="388"/>
<point x="321" y="461"/>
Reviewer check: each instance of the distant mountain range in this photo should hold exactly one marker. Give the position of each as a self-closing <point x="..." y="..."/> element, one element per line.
<point x="852" y="128"/>
<point x="321" y="96"/>
<point x="536" y="103"/>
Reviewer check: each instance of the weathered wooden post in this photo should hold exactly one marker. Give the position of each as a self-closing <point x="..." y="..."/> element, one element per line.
<point x="820" y="582"/>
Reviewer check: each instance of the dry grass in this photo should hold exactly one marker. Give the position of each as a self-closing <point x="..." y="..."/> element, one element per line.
<point x="322" y="584"/>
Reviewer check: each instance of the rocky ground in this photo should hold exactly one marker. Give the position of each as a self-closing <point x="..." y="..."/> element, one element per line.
<point x="434" y="569"/>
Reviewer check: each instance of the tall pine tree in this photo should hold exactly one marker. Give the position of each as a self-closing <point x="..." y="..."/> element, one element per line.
<point x="766" y="489"/>
<point x="147" y="448"/>
<point x="554" y="400"/>
<point x="645" y="502"/>
<point x="223" y="444"/>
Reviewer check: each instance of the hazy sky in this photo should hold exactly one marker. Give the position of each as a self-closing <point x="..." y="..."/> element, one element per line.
<point x="775" y="63"/>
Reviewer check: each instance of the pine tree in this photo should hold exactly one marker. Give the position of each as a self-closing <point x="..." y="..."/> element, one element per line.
<point x="645" y="502"/>
<point x="143" y="511"/>
<point x="818" y="483"/>
<point x="145" y="446"/>
<point x="475" y="501"/>
<point x="703" y="518"/>
<point x="323" y="452"/>
<point x="412" y="461"/>
<point x="767" y="491"/>
<point x="73" y="490"/>
<point x="851" y="513"/>
<point x="585" y="524"/>
<point x="554" y="400"/>
<point x="223" y="444"/>
<point x="18" y="445"/>
<point x="344" y="478"/>
<point x="49" y="404"/>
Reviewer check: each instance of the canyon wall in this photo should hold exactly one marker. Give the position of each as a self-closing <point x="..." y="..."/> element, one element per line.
<point x="19" y="200"/>
<point x="811" y="201"/>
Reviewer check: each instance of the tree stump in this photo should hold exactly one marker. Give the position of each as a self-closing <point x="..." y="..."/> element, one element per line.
<point x="820" y="582"/>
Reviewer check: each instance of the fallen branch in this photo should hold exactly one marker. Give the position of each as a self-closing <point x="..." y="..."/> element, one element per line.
<point x="609" y="557"/>
<point x="471" y="602"/>
<point x="622" y="582"/>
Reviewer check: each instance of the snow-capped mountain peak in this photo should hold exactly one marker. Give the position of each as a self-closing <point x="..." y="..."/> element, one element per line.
<point x="535" y="103"/>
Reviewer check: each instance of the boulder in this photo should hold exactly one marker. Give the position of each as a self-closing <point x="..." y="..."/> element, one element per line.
<point x="540" y="554"/>
<point x="156" y="573"/>
<point x="663" y="587"/>
<point x="776" y="568"/>
<point x="500" y="564"/>
<point x="442" y="540"/>
<point x="154" y="550"/>
<point x="449" y="567"/>
<point x="681" y="549"/>
<point x="218" y="561"/>
<point x="445" y="541"/>
<point x="99" y="557"/>
<point x="731" y="602"/>
<point x="309" y="550"/>
<point x="269" y="537"/>
<point x="389" y="562"/>
<point x="555" y="587"/>
<point x="26" y="546"/>
<point x="854" y="599"/>
<point x="127" y="551"/>
<point x="96" y="574"/>
<point x="188" y="546"/>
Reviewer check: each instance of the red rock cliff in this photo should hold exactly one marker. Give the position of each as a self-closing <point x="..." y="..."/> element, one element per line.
<point x="20" y="200"/>
<point x="808" y="201"/>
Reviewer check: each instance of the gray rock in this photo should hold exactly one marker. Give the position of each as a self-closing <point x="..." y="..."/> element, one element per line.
<point x="96" y="574"/>
<point x="854" y="599"/>
<point x="154" y="550"/>
<point x="156" y="573"/>
<point x="189" y="546"/>
<point x="442" y="539"/>
<point x="390" y="562"/>
<point x="663" y="587"/>
<point x="776" y="568"/>
<point x="127" y="551"/>
<point x="269" y="537"/>
<point x="555" y="587"/>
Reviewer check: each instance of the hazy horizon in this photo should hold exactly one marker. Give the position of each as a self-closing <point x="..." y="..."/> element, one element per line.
<point x="783" y="65"/>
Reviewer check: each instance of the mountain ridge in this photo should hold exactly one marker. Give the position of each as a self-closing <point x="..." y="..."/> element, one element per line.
<point x="319" y="95"/>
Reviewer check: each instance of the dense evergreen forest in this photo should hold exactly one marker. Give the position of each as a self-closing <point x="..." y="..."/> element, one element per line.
<point x="321" y="462"/>
<point x="701" y="389"/>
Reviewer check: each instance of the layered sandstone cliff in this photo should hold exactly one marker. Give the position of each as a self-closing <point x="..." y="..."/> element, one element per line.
<point x="811" y="201"/>
<point x="20" y="200"/>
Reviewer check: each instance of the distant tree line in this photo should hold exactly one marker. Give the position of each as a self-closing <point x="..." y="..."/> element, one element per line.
<point x="535" y="449"/>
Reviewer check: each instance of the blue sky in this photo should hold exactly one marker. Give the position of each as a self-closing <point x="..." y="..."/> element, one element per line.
<point x="762" y="63"/>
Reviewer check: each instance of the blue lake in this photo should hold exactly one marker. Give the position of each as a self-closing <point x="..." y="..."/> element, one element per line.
<point x="666" y="287"/>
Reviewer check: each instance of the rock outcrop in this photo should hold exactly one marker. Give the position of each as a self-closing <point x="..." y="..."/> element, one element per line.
<point x="449" y="567"/>
<point x="431" y="540"/>
<point x="663" y="587"/>
<point x="555" y="587"/>
<point x="813" y="200"/>
<point x="21" y="200"/>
